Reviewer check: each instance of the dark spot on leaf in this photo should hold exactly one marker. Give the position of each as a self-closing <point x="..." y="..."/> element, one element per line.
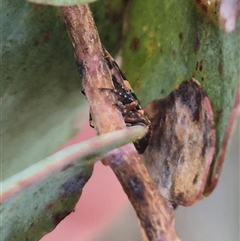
<point x="202" y="5"/>
<point x="58" y="217"/>
<point x="180" y="36"/>
<point x="134" y="46"/>
<point x="74" y="184"/>
<point x="36" y="43"/>
<point x="202" y="78"/>
<point x="32" y="225"/>
<point x="218" y="115"/>
<point x="36" y="8"/>
<point x="196" y="44"/>
<point x="220" y="67"/>
<point x="204" y="8"/>
<point x="136" y="187"/>
<point x="196" y="67"/>
<point x="201" y="65"/>
<point x="47" y="37"/>
<point x="49" y="206"/>
<point x="115" y="17"/>
<point x="106" y="37"/>
<point x="174" y="52"/>
<point x="189" y="95"/>
<point x="195" y="179"/>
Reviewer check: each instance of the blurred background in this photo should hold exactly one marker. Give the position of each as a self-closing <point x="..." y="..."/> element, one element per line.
<point x="104" y="213"/>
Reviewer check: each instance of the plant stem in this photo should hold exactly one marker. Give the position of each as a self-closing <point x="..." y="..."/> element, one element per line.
<point x="155" y="216"/>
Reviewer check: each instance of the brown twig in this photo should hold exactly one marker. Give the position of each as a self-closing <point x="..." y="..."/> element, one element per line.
<point x="155" y="216"/>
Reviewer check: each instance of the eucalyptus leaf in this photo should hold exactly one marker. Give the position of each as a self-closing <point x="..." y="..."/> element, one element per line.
<point x="41" y="90"/>
<point x="35" y="200"/>
<point x="168" y="42"/>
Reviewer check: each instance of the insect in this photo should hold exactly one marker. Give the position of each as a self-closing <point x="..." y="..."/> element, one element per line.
<point x="182" y="144"/>
<point x="179" y="146"/>
<point x="127" y="101"/>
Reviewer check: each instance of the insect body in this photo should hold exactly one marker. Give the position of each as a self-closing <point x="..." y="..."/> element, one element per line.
<point x="127" y="102"/>
<point x="131" y="109"/>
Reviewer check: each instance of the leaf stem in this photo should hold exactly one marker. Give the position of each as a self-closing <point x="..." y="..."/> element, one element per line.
<point x="155" y="215"/>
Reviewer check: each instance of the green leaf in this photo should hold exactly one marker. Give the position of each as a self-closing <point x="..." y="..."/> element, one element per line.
<point x="108" y="16"/>
<point x="168" y="42"/>
<point x="38" y="198"/>
<point x="61" y="2"/>
<point x="40" y="86"/>
<point x="40" y="94"/>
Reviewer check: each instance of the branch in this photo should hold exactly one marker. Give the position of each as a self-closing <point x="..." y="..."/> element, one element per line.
<point x="155" y="216"/>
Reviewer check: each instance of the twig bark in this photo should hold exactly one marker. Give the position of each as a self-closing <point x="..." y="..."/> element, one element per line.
<point x="155" y="216"/>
